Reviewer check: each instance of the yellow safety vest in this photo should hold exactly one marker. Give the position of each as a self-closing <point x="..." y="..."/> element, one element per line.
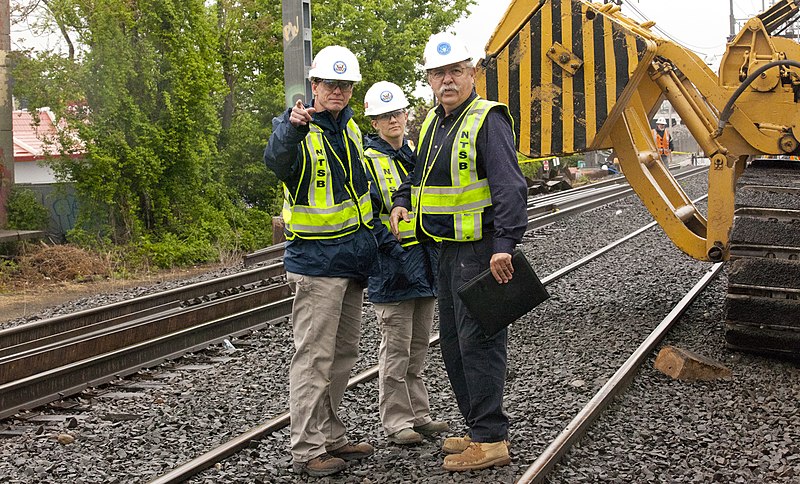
<point x="388" y="174"/>
<point x="322" y="217"/>
<point x="465" y="194"/>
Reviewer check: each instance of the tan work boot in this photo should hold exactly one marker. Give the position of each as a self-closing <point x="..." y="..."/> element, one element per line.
<point x="405" y="437"/>
<point x="456" y="445"/>
<point x="479" y="455"/>
<point x="353" y="451"/>
<point x="321" y="465"/>
<point x="432" y="428"/>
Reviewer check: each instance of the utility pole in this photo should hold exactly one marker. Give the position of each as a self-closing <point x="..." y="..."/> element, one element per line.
<point x="6" y="109"/>
<point x="296" y="64"/>
<point x="733" y="21"/>
<point x="296" y="50"/>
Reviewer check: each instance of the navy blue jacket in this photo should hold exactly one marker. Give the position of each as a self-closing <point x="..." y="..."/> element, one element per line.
<point x="351" y="256"/>
<point x="403" y="273"/>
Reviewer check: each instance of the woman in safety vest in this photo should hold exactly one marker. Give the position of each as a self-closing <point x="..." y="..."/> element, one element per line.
<point x="403" y="289"/>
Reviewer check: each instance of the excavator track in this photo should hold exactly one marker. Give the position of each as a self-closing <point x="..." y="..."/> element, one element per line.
<point x="762" y="312"/>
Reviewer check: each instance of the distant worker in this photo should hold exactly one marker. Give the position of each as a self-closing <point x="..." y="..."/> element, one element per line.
<point x="316" y="151"/>
<point x="468" y="192"/>
<point x="403" y="290"/>
<point x="663" y="141"/>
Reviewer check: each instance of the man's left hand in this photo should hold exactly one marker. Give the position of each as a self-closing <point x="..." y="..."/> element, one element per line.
<point x="501" y="267"/>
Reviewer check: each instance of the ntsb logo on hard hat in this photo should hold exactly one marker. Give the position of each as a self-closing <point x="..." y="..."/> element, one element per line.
<point x="384" y="97"/>
<point x="444" y="49"/>
<point x="335" y="62"/>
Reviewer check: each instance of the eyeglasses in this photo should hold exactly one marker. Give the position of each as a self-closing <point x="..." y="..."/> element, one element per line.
<point x="391" y="114"/>
<point x="345" y="86"/>
<point x="455" y="72"/>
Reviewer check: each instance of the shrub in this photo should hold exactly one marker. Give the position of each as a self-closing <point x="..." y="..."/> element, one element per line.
<point x="169" y="251"/>
<point x="25" y="212"/>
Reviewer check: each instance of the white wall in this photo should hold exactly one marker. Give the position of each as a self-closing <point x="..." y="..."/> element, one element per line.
<point x="32" y="172"/>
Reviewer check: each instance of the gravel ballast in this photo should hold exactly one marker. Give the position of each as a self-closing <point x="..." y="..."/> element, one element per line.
<point x="738" y="430"/>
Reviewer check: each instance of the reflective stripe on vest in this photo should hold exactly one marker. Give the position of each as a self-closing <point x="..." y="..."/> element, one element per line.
<point x="662" y="142"/>
<point x="322" y="218"/>
<point x="388" y="175"/>
<point x="468" y="194"/>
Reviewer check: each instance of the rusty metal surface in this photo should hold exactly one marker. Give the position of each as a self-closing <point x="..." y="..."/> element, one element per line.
<point x="265" y="254"/>
<point x="127" y="333"/>
<point x="48" y="327"/>
<point x="158" y="344"/>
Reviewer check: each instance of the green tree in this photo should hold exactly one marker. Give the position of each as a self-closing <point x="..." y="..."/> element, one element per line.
<point x="172" y="101"/>
<point x="143" y="101"/>
<point x="149" y="123"/>
<point x="251" y="57"/>
<point x="388" y="45"/>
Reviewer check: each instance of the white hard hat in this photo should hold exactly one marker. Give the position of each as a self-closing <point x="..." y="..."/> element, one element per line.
<point x="384" y="97"/>
<point x="661" y="121"/>
<point x="335" y="62"/>
<point x="443" y="49"/>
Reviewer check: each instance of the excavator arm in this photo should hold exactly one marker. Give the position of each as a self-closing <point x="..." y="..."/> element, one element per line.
<point x="579" y="76"/>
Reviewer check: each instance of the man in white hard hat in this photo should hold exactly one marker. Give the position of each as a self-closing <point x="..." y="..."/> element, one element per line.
<point x="469" y="193"/>
<point x="403" y="291"/>
<point x="663" y="141"/>
<point x="316" y="151"/>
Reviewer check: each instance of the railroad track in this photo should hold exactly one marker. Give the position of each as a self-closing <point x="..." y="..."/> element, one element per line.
<point x="203" y="295"/>
<point x="44" y="361"/>
<point x="557" y="448"/>
<point x="540" y="380"/>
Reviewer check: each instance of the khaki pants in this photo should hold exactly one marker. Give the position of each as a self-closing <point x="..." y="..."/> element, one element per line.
<point x="405" y="333"/>
<point x="326" y="322"/>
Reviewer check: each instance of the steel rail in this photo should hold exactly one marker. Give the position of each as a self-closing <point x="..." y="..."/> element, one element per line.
<point x="72" y="378"/>
<point x="576" y="206"/>
<point x="131" y="308"/>
<point x="103" y="340"/>
<point x="538" y="471"/>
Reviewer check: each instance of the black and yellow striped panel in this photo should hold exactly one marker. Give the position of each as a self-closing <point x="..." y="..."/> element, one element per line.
<point x="556" y="112"/>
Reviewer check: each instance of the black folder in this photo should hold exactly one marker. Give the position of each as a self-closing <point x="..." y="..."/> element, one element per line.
<point x="496" y="305"/>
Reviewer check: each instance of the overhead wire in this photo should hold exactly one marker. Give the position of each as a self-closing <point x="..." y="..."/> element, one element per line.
<point x="694" y="48"/>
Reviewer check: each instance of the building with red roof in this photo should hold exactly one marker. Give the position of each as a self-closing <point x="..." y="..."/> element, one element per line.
<point x="34" y="143"/>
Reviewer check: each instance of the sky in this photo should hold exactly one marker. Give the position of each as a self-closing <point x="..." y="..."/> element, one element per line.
<point x="700" y="25"/>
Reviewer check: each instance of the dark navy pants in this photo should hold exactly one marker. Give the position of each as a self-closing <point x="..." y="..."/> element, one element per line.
<point x="476" y="365"/>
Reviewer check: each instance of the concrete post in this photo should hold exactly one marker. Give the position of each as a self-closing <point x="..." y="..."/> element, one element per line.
<point x="6" y="109"/>
<point x="296" y="50"/>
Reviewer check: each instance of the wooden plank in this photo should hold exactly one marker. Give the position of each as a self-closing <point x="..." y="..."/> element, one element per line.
<point x="17" y="235"/>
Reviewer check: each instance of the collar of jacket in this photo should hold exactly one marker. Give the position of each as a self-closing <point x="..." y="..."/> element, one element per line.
<point x="457" y="111"/>
<point x="325" y="121"/>
<point x="374" y="141"/>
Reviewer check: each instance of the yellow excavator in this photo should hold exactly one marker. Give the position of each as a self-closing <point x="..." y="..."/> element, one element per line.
<point x="580" y="76"/>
